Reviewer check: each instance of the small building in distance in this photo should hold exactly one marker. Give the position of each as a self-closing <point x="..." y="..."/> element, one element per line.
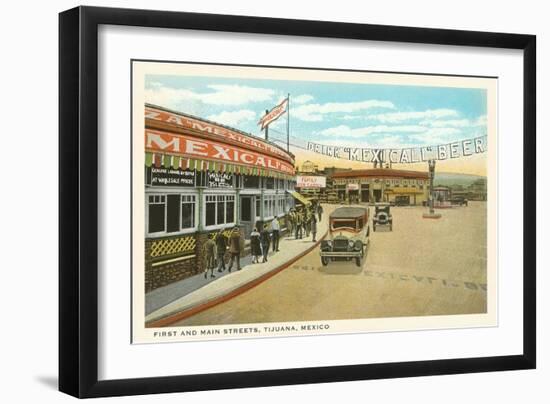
<point x="402" y="187"/>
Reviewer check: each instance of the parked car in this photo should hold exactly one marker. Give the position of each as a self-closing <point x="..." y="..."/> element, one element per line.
<point x="382" y="216"/>
<point x="459" y="200"/>
<point x="348" y="235"/>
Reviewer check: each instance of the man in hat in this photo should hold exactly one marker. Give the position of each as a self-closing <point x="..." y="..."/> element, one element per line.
<point x="221" y="247"/>
<point x="235" y="248"/>
<point x="209" y="255"/>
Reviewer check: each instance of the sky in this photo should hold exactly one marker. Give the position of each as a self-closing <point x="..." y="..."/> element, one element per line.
<point x="339" y="114"/>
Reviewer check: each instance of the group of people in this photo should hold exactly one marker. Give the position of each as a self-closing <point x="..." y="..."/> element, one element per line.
<point x="261" y="240"/>
<point x="300" y="221"/>
<point x="216" y="247"/>
<point x="303" y="221"/>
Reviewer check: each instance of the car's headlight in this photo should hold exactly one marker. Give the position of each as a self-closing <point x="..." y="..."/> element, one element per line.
<point x="358" y="245"/>
<point x="351" y="243"/>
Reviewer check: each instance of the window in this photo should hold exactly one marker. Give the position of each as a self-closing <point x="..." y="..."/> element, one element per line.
<point x="271" y="205"/>
<point x="269" y="182"/>
<point x="157" y="206"/>
<point x="220" y="209"/>
<point x="171" y="213"/>
<point x="250" y="181"/>
<point x="343" y="224"/>
<point x="187" y="212"/>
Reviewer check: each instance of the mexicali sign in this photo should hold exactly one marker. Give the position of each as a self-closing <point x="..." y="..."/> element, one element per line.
<point x="210" y="128"/>
<point x="187" y="146"/>
<point x="463" y="148"/>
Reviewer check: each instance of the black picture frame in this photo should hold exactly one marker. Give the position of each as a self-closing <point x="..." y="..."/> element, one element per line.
<point x="78" y="200"/>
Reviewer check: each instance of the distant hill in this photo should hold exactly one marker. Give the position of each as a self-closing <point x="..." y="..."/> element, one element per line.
<point x="448" y="179"/>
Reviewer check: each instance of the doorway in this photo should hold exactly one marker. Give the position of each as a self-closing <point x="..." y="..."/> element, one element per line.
<point x="247" y="214"/>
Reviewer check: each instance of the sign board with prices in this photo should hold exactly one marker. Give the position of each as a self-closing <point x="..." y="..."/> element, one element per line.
<point x="158" y="176"/>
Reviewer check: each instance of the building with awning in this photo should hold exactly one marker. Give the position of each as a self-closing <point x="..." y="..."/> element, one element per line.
<point x="303" y="200"/>
<point x="200" y="177"/>
<point x="405" y="187"/>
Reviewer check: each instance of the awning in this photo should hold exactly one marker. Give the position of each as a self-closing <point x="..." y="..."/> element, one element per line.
<point x="299" y="198"/>
<point x="173" y="161"/>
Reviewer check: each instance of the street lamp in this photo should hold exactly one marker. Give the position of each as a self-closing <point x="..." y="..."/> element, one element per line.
<point x="431" y="166"/>
<point x="431" y="214"/>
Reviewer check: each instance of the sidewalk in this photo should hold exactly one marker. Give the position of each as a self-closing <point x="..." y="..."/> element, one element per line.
<point x="182" y="299"/>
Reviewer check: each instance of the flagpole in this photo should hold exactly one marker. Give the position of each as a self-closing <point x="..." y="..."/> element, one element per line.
<point x="266" y="127"/>
<point x="288" y="123"/>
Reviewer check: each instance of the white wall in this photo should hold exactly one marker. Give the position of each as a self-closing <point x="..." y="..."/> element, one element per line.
<point x="28" y="287"/>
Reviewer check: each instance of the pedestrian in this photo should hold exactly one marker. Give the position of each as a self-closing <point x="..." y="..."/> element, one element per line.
<point x="235" y="248"/>
<point x="255" y="247"/>
<point x="275" y="230"/>
<point x="221" y="248"/>
<point x="313" y="227"/>
<point x="320" y="211"/>
<point x="298" y="231"/>
<point x="265" y="240"/>
<point x="307" y="221"/>
<point x="290" y="222"/>
<point x="209" y="250"/>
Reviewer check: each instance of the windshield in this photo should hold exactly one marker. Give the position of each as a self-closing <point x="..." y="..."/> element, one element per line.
<point x="343" y="223"/>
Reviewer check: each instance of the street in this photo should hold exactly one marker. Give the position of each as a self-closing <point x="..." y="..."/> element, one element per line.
<point x="422" y="267"/>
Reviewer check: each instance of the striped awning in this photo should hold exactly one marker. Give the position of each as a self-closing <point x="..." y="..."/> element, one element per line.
<point x="175" y="162"/>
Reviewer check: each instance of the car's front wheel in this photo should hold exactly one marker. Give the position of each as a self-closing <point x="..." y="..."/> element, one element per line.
<point x="358" y="261"/>
<point x="324" y="261"/>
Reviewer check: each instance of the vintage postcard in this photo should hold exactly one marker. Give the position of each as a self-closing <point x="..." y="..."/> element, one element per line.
<point x="277" y="202"/>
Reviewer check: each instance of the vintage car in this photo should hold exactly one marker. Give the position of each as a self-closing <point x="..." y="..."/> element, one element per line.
<point x="348" y="235"/>
<point x="382" y="216"/>
<point x="459" y="200"/>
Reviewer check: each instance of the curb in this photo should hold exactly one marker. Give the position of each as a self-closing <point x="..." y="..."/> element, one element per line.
<point x="172" y="318"/>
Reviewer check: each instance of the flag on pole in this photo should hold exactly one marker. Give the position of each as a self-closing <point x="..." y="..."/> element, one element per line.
<point x="274" y="114"/>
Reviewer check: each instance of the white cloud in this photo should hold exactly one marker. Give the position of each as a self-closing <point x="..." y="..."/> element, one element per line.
<point x="453" y="123"/>
<point x="394" y="117"/>
<point x="222" y="94"/>
<point x="301" y="99"/>
<point x="456" y="123"/>
<point x="233" y="118"/>
<point x="481" y="121"/>
<point x="346" y="131"/>
<point x="314" y="112"/>
<point x="435" y="136"/>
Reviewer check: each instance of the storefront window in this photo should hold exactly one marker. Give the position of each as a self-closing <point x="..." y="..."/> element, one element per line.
<point x="187" y="212"/>
<point x="251" y="181"/>
<point x="269" y="182"/>
<point x="171" y="213"/>
<point x="220" y="209"/>
<point x="157" y="207"/>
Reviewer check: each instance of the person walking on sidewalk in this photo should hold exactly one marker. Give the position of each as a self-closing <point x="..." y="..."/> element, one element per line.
<point x="255" y="247"/>
<point x="307" y="221"/>
<point x="235" y="248"/>
<point x="299" y="219"/>
<point x="320" y="211"/>
<point x="209" y="257"/>
<point x="275" y="232"/>
<point x="290" y="222"/>
<point x="221" y="247"/>
<point x="313" y="226"/>
<point x="265" y="240"/>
